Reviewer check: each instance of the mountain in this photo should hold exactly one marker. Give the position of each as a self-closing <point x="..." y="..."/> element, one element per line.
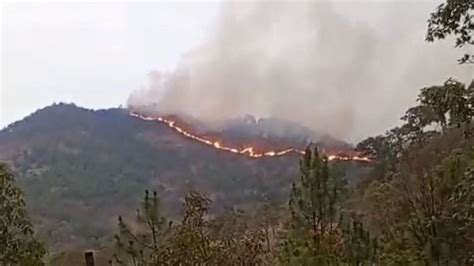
<point x="81" y="168"/>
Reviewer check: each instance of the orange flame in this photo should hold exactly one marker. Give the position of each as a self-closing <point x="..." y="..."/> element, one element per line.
<point x="249" y="151"/>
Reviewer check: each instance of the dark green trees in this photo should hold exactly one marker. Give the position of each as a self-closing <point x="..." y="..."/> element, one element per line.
<point x="455" y="17"/>
<point x="191" y="243"/>
<point x="452" y="105"/>
<point x="313" y="230"/>
<point x="143" y="243"/>
<point x="316" y="232"/>
<point x="18" y="245"/>
<point x="419" y="207"/>
<point x="196" y="240"/>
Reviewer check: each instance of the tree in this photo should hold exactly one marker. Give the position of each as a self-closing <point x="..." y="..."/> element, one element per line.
<point x="269" y="220"/>
<point x="449" y="106"/>
<point x="453" y="101"/>
<point x="17" y="241"/>
<point x="195" y="240"/>
<point x="144" y="244"/>
<point x="359" y="248"/>
<point x="421" y="210"/>
<point x="384" y="216"/>
<point x="455" y="17"/>
<point x="315" y="233"/>
<point x="460" y="218"/>
<point x="191" y="241"/>
<point x="417" y="119"/>
<point x="312" y="230"/>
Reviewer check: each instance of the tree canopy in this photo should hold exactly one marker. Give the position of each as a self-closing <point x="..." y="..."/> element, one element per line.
<point x="18" y="245"/>
<point x="454" y="17"/>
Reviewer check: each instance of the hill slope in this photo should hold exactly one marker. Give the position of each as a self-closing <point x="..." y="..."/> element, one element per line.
<point x="81" y="168"/>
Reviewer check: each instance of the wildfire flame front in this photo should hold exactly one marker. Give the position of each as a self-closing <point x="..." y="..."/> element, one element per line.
<point x="249" y="151"/>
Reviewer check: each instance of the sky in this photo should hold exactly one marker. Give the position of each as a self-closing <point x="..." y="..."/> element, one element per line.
<point x="92" y="54"/>
<point x="350" y="68"/>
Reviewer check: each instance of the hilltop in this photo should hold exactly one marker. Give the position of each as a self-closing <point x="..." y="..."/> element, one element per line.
<point x="81" y="168"/>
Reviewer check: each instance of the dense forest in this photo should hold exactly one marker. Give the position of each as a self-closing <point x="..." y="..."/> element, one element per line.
<point x="412" y="205"/>
<point x="66" y="157"/>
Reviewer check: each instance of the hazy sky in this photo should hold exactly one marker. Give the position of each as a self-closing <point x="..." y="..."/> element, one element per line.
<point x="92" y="54"/>
<point x="350" y="68"/>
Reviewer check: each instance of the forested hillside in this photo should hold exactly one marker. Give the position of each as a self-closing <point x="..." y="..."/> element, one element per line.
<point x="414" y="206"/>
<point x="81" y="168"/>
<point x="138" y="193"/>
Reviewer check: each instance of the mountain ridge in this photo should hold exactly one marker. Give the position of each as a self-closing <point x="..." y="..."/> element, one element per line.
<point x="98" y="163"/>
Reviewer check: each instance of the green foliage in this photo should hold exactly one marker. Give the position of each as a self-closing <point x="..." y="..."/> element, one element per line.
<point x="421" y="210"/>
<point x="196" y="240"/>
<point x="450" y="106"/>
<point x="359" y="246"/>
<point x="191" y="240"/>
<point x="459" y="218"/>
<point x="418" y="215"/>
<point x="455" y="17"/>
<point x="313" y="230"/>
<point x="142" y="244"/>
<point x="454" y="100"/>
<point x="315" y="233"/>
<point x="79" y="168"/>
<point x="415" y="206"/>
<point x="18" y="245"/>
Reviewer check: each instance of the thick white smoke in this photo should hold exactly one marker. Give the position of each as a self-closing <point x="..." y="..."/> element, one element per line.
<point x="347" y="69"/>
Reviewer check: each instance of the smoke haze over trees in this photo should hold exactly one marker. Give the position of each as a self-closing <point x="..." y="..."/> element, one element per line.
<point x="335" y="67"/>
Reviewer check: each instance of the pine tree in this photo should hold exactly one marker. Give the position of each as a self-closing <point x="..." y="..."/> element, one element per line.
<point x="313" y="236"/>
<point x="359" y="248"/>
<point x="18" y="245"/>
<point x="143" y="245"/>
<point x="316" y="233"/>
<point x="195" y="240"/>
<point x="191" y="240"/>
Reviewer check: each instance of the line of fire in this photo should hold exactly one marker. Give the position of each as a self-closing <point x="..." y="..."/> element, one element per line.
<point x="250" y="152"/>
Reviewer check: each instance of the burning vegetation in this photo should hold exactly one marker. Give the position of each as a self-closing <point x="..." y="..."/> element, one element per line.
<point x="248" y="151"/>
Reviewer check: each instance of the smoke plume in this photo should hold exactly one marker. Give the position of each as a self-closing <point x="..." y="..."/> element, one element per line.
<point x="347" y="69"/>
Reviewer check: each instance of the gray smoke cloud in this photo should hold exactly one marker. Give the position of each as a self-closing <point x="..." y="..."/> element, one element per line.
<point x="347" y="69"/>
